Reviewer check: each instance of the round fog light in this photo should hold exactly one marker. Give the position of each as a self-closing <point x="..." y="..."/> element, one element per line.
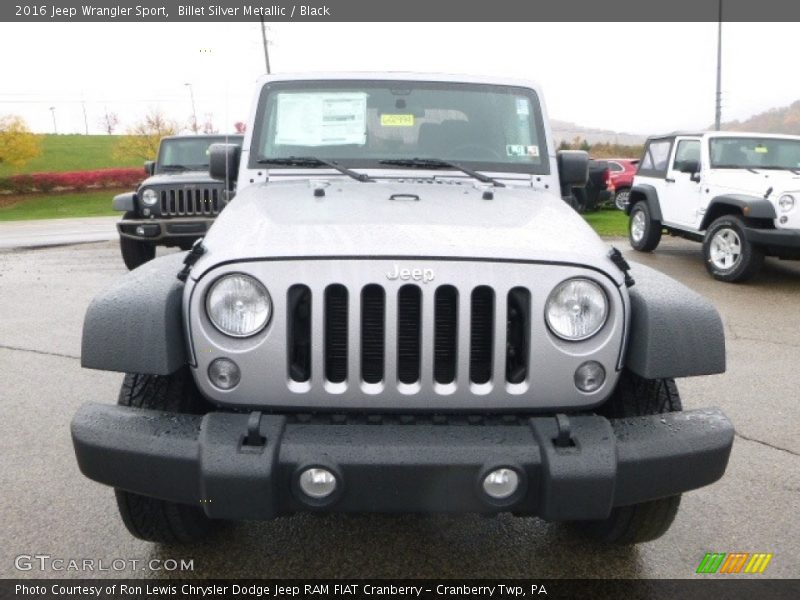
<point x="501" y="483"/>
<point x="317" y="483"/>
<point x="224" y="373"/>
<point x="589" y="377"/>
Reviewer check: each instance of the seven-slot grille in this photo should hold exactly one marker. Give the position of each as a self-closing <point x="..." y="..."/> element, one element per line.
<point x="473" y="334"/>
<point x="181" y="202"/>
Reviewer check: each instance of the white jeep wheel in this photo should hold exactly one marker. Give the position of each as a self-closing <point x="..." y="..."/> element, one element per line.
<point x="644" y="232"/>
<point x="638" y="225"/>
<point x="729" y="256"/>
<point x="726" y="249"/>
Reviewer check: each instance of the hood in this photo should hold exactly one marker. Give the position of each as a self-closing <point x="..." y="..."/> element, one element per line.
<point x="181" y="177"/>
<point x="394" y="219"/>
<point x="744" y="181"/>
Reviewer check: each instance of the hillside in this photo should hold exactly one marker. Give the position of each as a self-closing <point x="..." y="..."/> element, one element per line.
<point x="567" y="131"/>
<point x="785" y="119"/>
<point x="73" y="153"/>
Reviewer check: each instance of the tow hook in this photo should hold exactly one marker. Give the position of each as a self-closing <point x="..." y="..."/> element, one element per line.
<point x="564" y="437"/>
<point x="253" y="440"/>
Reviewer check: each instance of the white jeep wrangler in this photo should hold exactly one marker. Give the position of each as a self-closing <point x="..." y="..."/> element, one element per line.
<point x="735" y="192"/>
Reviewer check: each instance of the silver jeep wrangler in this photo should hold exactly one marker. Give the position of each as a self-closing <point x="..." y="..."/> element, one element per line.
<point x="399" y="313"/>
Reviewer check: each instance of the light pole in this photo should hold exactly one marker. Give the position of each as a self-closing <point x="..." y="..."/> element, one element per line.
<point x="53" y="111"/>
<point x="718" y="107"/>
<point x="194" y="110"/>
<point x="266" y="43"/>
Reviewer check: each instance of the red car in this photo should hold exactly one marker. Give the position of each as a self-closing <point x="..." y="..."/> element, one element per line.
<point x="622" y="171"/>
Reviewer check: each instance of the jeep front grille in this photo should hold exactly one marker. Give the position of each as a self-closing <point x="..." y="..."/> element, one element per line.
<point x="370" y="335"/>
<point x="180" y="202"/>
<point x="474" y="324"/>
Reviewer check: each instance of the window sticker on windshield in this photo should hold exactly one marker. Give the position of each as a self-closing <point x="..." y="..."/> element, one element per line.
<point x="761" y="149"/>
<point x="322" y="119"/>
<point x="522" y="106"/>
<point x="397" y="120"/>
<point x="519" y="150"/>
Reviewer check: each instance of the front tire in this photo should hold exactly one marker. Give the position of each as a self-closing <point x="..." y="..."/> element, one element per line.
<point x="151" y="519"/>
<point x="646" y="521"/>
<point x="728" y="255"/>
<point x="134" y="252"/>
<point x="644" y="232"/>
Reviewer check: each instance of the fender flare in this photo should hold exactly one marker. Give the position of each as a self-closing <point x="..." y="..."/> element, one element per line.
<point x="643" y="191"/>
<point x="674" y="331"/>
<point x="136" y="325"/>
<point x="753" y="207"/>
<point x="124" y="202"/>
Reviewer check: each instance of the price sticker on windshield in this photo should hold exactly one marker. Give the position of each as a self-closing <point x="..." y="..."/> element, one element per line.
<point x="397" y="120"/>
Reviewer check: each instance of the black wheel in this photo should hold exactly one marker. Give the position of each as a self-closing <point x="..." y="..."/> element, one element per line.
<point x="646" y="521"/>
<point x="621" y="198"/>
<point x="134" y="252"/>
<point x="151" y="519"/>
<point x="644" y="232"/>
<point x="581" y="200"/>
<point x="728" y="254"/>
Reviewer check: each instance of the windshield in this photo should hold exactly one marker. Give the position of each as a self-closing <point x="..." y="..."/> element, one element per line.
<point x="754" y="153"/>
<point x="189" y="153"/>
<point x="362" y="123"/>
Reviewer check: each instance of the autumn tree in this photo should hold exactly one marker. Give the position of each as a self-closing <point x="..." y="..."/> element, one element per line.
<point x="109" y="122"/>
<point x="208" y="125"/>
<point x="141" y="141"/>
<point x="17" y="144"/>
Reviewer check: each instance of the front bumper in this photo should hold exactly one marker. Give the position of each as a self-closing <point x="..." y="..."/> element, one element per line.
<point x="400" y="464"/>
<point x="154" y="230"/>
<point x="774" y="239"/>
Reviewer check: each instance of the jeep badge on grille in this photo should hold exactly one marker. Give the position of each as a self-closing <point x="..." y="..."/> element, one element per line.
<point x="423" y="275"/>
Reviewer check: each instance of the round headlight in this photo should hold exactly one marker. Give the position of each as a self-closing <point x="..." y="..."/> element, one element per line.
<point x="576" y="309"/>
<point x="149" y="197"/>
<point x="238" y="305"/>
<point x="786" y="202"/>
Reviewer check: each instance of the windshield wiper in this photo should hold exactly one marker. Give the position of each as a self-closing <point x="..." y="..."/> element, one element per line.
<point x="779" y="168"/>
<point x="313" y="161"/>
<point x="429" y="163"/>
<point x="174" y="168"/>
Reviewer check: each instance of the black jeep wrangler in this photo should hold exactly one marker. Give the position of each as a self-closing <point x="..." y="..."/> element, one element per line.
<point x="178" y="201"/>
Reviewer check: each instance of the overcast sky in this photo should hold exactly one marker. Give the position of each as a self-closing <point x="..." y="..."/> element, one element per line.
<point x="639" y="78"/>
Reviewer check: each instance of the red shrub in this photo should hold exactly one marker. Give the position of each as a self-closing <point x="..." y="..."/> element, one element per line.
<point x="74" y="180"/>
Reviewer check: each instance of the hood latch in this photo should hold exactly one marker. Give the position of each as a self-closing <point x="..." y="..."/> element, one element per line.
<point x="616" y="257"/>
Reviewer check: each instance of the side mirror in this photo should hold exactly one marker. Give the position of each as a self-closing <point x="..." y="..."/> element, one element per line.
<point x="223" y="163"/>
<point x="690" y="166"/>
<point x="573" y="169"/>
<point x="150" y="167"/>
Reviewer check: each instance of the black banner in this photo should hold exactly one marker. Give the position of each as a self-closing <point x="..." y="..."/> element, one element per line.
<point x="150" y="11"/>
<point x="731" y="588"/>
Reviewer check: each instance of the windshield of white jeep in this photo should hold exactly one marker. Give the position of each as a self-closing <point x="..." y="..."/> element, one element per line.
<point x="754" y="153"/>
<point x="367" y="123"/>
<point x="189" y="153"/>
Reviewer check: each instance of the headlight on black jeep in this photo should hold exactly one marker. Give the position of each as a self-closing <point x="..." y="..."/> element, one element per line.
<point x="576" y="309"/>
<point x="149" y="197"/>
<point x="238" y="305"/>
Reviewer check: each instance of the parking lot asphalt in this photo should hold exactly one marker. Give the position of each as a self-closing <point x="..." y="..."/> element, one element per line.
<point x="57" y="232"/>
<point x="48" y="508"/>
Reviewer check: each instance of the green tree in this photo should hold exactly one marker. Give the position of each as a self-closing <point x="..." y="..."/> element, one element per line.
<point x="141" y="141"/>
<point x="17" y="144"/>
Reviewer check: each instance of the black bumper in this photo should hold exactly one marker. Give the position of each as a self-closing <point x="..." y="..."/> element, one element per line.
<point x="155" y="230"/>
<point x="400" y="466"/>
<point x="774" y="238"/>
